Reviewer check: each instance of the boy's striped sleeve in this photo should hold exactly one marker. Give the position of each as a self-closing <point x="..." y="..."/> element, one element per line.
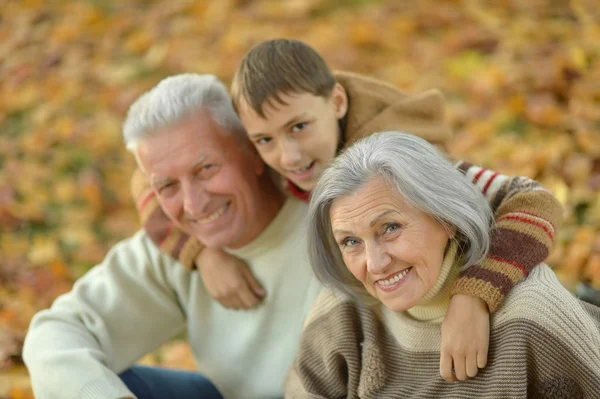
<point x="527" y="217"/>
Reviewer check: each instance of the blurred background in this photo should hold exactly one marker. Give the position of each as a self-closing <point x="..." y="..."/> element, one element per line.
<point x="521" y="79"/>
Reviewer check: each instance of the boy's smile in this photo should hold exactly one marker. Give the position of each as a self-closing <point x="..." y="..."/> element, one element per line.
<point x="300" y="136"/>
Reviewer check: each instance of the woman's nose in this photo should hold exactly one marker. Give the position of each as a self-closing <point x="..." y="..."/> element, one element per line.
<point x="378" y="259"/>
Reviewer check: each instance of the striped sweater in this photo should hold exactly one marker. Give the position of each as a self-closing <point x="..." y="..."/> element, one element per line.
<point x="526" y="217"/>
<point x="544" y="343"/>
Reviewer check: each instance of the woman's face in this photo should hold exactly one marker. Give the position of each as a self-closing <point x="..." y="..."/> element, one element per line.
<point x="393" y="249"/>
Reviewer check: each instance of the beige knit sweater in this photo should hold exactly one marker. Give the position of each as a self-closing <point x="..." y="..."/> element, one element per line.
<point x="544" y="344"/>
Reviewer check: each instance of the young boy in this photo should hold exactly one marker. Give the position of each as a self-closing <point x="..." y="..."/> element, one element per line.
<point x="299" y="116"/>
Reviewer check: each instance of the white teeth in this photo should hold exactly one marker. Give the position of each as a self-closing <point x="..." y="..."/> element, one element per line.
<point x="303" y="169"/>
<point x="214" y="216"/>
<point x="394" y="279"/>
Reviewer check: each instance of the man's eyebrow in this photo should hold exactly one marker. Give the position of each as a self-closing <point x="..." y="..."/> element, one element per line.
<point x="199" y="160"/>
<point x="159" y="180"/>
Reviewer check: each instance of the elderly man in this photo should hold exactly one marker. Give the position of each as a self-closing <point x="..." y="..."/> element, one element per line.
<point x="210" y="182"/>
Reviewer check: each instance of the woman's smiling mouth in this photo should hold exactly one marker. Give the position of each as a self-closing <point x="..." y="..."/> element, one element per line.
<point x="391" y="283"/>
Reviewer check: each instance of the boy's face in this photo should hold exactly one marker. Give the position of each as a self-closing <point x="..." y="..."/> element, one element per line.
<point x="299" y="138"/>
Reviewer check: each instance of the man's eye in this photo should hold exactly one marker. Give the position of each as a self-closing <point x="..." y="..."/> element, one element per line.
<point x="298" y="127"/>
<point x="263" y="141"/>
<point x="205" y="169"/>
<point x="165" y="187"/>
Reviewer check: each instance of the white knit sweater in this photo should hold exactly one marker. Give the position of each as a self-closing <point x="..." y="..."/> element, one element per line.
<point x="139" y="297"/>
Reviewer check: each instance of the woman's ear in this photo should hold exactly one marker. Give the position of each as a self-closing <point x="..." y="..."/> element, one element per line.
<point x="451" y="232"/>
<point x="340" y="100"/>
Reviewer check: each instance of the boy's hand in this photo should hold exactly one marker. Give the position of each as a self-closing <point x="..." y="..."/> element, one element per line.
<point x="228" y="280"/>
<point x="465" y="338"/>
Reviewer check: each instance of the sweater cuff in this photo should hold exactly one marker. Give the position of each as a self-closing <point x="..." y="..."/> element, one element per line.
<point x="102" y="389"/>
<point x="191" y="249"/>
<point x="481" y="289"/>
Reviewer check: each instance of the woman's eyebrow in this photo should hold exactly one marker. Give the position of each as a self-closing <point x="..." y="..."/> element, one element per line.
<point x="342" y="232"/>
<point x="381" y="216"/>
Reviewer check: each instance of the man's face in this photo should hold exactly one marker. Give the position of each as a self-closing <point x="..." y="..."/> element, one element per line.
<point x="205" y="180"/>
<point x="299" y="138"/>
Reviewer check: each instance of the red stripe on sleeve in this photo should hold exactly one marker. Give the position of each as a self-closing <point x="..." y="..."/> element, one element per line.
<point x="478" y="175"/>
<point x="487" y="185"/>
<point x="531" y="222"/>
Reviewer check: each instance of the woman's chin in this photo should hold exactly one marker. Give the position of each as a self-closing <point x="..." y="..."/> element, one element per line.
<point x="396" y="305"/>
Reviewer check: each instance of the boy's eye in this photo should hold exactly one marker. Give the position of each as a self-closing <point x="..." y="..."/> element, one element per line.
<point x="299" y="126"/>
<point x="262" y="141"/>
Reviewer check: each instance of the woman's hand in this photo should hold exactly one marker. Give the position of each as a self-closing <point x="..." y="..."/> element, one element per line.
<point x="465" y="338"/>
<point x="228" y="280"/>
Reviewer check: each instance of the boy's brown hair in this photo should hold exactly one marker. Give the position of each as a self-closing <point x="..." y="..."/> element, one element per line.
<point x="279" y="66"/>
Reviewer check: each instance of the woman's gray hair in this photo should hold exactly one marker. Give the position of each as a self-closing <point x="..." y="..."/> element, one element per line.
<point x="175" y="98"/>
<point x="425" y="180"/>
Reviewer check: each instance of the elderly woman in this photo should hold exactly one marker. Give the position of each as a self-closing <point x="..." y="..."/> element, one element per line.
<point x="392" y="225"/>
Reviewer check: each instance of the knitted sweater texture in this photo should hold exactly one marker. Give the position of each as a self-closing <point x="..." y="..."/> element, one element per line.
<point x="544" y="343"/>
<point x="139" y="297"/>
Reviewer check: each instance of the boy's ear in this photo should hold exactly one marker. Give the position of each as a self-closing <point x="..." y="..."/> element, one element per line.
<point x="340" y="100"/>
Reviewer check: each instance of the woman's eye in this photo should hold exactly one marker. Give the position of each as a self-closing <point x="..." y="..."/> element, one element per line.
<point x="262" y="141"/>
<point x="349" y="242"/>
<point x="298" y="127"/>
<point x="391" y="227"/>
<point x="208" y="166"/>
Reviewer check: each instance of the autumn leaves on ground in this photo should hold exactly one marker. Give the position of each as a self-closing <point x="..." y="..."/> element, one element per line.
<point x="522" y="81"/>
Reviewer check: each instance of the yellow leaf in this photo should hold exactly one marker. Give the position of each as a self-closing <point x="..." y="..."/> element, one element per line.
<point x="43" y="250"/>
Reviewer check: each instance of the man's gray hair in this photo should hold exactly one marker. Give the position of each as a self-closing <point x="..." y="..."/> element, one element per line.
<point x="424" y="179"/>
<point x="174" y="99"/>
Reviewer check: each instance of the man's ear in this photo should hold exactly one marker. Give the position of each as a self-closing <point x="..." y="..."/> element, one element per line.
<point x="340" y="100"/>
<point x="257" y="162"/>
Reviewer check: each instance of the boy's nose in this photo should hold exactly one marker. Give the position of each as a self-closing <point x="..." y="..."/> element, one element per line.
<point x="290" y="155"/>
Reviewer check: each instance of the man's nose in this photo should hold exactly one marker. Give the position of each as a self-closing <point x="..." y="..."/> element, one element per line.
<point x="290" y="154"/>
<point x="195" y="198"/>
<point x="378" y="260"/>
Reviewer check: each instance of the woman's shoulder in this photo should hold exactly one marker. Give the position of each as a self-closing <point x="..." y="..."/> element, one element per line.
<point x="335" y="311"/>
<point x="542" y="300"/>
